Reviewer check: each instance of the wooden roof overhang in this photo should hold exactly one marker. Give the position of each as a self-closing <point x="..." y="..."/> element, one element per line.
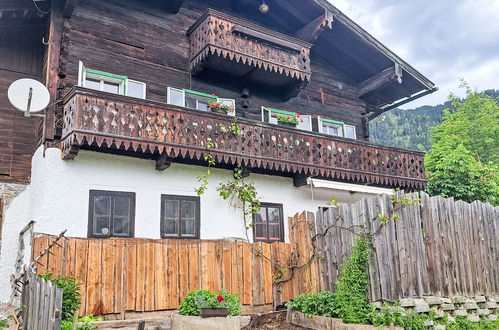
<point x="142" y="128"/>
<point x="384" y="80"/>
<point x="228" y="45"/>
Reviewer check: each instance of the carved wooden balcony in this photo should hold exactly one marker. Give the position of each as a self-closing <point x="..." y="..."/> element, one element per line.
<point x="112" y="123"/>
<point x="222" y="44"/>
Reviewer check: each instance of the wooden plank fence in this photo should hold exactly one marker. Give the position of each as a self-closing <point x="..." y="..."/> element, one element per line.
<point x="43" y="302"/>
<point x="438" y="246"/>
<point x="133" y="274"/>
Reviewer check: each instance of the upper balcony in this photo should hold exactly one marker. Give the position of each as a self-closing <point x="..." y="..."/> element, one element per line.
<point x="103" y="121"/>
<point x="225" y="45"/>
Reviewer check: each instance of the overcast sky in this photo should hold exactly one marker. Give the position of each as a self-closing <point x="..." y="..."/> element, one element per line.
<point x="443" y="39"/>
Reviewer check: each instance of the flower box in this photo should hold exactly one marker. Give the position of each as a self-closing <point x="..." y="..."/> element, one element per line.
<point x="290" y="125"/>
<point x="214" y="312"/>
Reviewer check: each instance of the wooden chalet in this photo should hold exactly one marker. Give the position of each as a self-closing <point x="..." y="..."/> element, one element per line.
<point x="129" y="123"/>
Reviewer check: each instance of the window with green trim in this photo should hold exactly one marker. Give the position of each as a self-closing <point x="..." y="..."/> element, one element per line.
<point x="110" y="82"/>
<point x="305" y="124"/>
<point x="194" y="99"/>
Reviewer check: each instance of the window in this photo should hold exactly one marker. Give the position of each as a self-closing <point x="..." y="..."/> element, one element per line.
<point x="268" y="223"/>
<point x="195" y="100"/>
<point x="330" y="127"/>
<point x="180" y="216"/>
<point x="350" y="132"/>
<point x="111" y="214"/>
<point x="111" y="83"/>
<point x="268" y="118"/>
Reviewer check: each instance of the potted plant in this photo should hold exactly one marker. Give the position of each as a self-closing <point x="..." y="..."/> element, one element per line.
<point x="218" y="107"/>
<point x="288" y="121"/>
<point x="207" y="304"/>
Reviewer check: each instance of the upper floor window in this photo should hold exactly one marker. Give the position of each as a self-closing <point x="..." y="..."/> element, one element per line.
<point x="180" y="216"/>
<point x="268" y="223"/>
<point x="269" y="116"/>
<point x="111" y="214"/>
<point x="110" y="82"/>
<point x="194" y="99"/>
<point x="336" y="128"/>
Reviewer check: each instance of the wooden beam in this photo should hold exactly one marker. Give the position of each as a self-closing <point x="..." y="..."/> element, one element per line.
<point x="378" y="81"/>
<point x="312" y="30"/>
<point x="69" y="7"/>
<point x="17" y="4"/>
<point x="163" y="162"/>
<point x="300" y="180"/>
<point x="53" y="60"/>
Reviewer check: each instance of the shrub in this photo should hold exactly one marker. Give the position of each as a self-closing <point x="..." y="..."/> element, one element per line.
<point x="322" y="304"/>
<point x="70" y="296"/>
<point x="462" y="323"/>
<point x="3" y="323"/>
<point x="68" y="325"/>
<point x="197" y="299"/>
<point x="351" y="294"/>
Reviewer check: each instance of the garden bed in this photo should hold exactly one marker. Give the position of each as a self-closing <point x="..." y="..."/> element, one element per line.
<point x="183" y="322"/>
<point x="323" y="323"/>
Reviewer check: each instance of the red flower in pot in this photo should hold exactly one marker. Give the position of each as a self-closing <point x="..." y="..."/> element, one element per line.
<point x="220" y="298"/>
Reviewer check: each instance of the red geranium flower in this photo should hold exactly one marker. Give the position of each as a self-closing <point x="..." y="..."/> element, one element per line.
<point x="220" y="298"/>
<point x="288" y="118"/>
<point x="212" y="94"/>
<point x="218" y="105"/>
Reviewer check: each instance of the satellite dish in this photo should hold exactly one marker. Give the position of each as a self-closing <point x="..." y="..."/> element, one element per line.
<point x="28" y="96"/>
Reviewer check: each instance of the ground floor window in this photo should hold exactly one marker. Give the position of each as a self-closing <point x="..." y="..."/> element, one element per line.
<point x="180" y="216"/>
<point x="111" y="214"/>
<point x="268" y="223"/>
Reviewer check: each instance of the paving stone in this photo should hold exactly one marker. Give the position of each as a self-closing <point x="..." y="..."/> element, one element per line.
<point x="480" y="299"/>
<point x="482" y="311"/>
<point x="407" y="303"/>
<point x="432" y="300"/>
<point x="439" y="327"/>
<point x="470" y="305"/>
<point x="439" y="313"/>
<point x="451" y="319"/>
<point x="492" y="317"/>
<point x="459" y="312"/>
<point x="421" y="306"/>
<point x="474" y="318"/>
<point x="448" y="307"/>
<point x="446" y="301"/>
<point x="496" y="298"/>
<point x="377" y="304"/>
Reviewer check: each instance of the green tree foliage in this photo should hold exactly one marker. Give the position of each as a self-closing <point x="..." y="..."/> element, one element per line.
<point x="411" y="128"/>
<point x="464" y="158"/>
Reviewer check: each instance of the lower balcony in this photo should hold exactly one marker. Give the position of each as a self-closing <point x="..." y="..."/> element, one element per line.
<point x="118" y="124"/>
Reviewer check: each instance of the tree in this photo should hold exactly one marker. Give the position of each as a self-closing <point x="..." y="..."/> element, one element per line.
<point x="464" y="158"/>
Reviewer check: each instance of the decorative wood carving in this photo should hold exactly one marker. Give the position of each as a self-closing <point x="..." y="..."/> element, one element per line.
<point x="219" y="34"/>
<point x="113" y="122"/>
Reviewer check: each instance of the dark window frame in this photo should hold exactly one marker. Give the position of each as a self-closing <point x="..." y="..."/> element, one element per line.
<point x="109" y="193"/>
<point x="197" y="221"/>
<point x="281" y="223"/>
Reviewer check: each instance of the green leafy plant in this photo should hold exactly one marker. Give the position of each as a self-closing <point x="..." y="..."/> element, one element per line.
<point x="322" y="303"/>
<point x="4" y="323"/>
<point x="85" y="323"/>
<point x="70" y="296"/>
<point x="462" y="323"/>
<point x="214" y="104"/>
<point x="245" y="193"/>
<point x="195" y="300"/>
<point x="351" y="295"/>
<point x="295" y="120"/>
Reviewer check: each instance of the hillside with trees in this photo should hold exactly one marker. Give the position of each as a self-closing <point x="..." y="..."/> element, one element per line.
<point x="411" y="129"/>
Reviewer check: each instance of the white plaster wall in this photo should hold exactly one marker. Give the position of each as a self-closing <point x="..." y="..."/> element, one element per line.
<point x="58" y="196"/>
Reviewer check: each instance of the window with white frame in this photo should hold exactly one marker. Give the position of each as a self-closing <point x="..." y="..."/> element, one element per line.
<point x="110" y="82"/>
<point x="350" y="132"/>
<point x="331" y="127"/>
<point x="267" y="116"/>
<point x="195" y="100"/>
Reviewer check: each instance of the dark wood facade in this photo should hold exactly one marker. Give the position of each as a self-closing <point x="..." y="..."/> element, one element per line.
<point x="344" y="75"/>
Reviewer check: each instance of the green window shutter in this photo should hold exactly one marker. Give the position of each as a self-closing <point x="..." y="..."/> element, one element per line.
<point x="282" y="112"/>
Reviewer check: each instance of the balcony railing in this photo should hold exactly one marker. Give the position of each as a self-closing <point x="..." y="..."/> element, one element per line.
<point x="216" y="36"/>
<point x="113" y="122"/>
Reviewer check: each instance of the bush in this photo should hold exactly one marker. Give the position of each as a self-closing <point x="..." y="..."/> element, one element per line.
<point x="70" y="296"/>
<point x="462" y="323"/>
<point x="197" y="299"/>
<point x="322" y="304"/>
<point x="351" y="294"/>
<point x="68" y="325"/>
